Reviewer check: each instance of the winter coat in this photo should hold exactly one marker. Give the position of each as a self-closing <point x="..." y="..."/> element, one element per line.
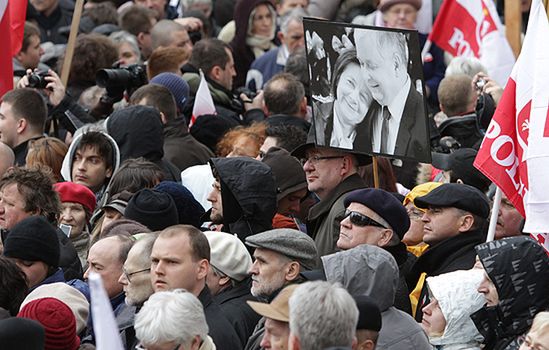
<point x="248" y="193"/>
<point x="325" y="216"/>
<point x="455" y="253"/>
<point x="519" y="268"/>
<point x="181" y="148"/>
<point x="371" y="271"/>
<point x="458" y="298"/>
<point x="138" y="131"/>
<point x="223" y="334"/>
<point x="232" y="302"/>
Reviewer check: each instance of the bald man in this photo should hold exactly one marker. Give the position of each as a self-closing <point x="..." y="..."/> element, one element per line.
<point x="7" y="158"/>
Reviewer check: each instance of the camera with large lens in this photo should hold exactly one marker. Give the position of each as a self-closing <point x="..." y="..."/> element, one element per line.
<point x="127" y="78"/>
<point x="37" y="80"/>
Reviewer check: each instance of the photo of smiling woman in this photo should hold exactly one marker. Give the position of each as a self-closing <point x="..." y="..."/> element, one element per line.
<point x="352" y="98"/>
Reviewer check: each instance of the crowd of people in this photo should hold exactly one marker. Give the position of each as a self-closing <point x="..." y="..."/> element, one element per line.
<point x="237" y="230"/>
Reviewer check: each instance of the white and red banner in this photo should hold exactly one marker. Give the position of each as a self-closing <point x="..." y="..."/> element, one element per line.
<point x="203" y="102"/>
<point x="515" y="151"/>
<point x="473" y="28"/>
<point x="12" y="23"/>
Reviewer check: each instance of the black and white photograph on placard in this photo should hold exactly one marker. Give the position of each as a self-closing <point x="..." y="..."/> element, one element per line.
<point x="367" y="89"/>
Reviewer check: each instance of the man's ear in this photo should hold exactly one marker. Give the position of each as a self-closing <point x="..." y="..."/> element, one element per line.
<point x="292" y="271"/>
<point x="163" y="118"/>
<point x="366" y="345"/>
<point x="21" y="125"/>
<point x="280" y="37"/>
<point x="293" y="342"/>
<point x="303" y="107"/>
<point x="215" y="73"/>
<point x="386" y="236"/>
<point x="348" y="165"/>
<point x="203" y="267"/>
<point x="224" y="280"/>
<point x="466" y="223"/>
<point x="140" y="39"/>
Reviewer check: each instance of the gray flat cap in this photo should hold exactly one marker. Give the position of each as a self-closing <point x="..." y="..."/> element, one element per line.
<point x="293" y="244"/>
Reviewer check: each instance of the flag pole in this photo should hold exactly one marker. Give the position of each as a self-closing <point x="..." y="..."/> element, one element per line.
<point x="425" y="50"/>
<point x="494" y="216"/>
<point x="375" y="170"/>
<point x="69" y="52"/>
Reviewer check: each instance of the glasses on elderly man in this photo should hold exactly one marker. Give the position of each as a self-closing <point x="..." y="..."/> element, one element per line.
<point x="129" y="274"/>
<point x="361" y="220"/>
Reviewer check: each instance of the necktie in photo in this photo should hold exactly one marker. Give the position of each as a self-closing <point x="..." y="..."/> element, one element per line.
<point x="385" y="130"/>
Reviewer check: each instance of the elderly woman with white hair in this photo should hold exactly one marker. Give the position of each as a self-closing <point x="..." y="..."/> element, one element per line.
<point x="172" y="320"/>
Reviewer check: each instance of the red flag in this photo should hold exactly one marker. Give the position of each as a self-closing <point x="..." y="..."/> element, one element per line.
<point x="203" y="102"/>
<point x="515" y="153"/>
<point x="6" y="66"/>
<point x="12" y="24"/>
<point x="473" y="28"/>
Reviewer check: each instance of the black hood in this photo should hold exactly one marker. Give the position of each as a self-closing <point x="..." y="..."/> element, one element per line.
<point x="248" y="193"/>
<point x="519" y="268"/>
<point x="138" y="132"/>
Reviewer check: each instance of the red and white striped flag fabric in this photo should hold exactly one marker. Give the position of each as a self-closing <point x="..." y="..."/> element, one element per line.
<point x="203" y="102"/>
<point x="515" y="151"/>
<point x="473" y="28"/>
<point x="12" y="24"/>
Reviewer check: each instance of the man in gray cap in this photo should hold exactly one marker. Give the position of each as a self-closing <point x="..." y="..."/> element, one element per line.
<point x="229" y="281"/>
<point x="291" y="186"/>
<point x="374" y="216"/>
<point x="280" y="256"/>
<point x="454" y="220"/>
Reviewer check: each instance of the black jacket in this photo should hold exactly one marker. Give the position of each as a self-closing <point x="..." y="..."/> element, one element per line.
<point x="519" y="268"/>
<point x="452" y="254"/>
<point x="405" y="261"/>
<point x="181" y="148"/>
<point x="223" y="334"/>
<point x="248" y="193"/>
<point x="232" y="302"/>
<point x="138" y="132"/>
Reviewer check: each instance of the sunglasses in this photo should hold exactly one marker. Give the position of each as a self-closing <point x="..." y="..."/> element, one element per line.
<point x="361" y="220"/>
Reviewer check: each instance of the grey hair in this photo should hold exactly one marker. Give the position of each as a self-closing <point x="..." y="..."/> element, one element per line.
<point x="122" y="36"/>
<point x="161" y="33"/>
<point x="322" y="315"/>
<point x="188" y="3"/>
<point x="464" y="65"/>
<point x="176" y="316"/>
<point x="295" y="15"/>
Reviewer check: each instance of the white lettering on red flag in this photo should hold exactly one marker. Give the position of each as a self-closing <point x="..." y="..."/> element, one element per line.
<point x="515" y="151"/>
<point x="473" y="28"/>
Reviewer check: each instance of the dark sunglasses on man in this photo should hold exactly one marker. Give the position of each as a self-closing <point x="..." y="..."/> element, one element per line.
<point x="361" y="220"/>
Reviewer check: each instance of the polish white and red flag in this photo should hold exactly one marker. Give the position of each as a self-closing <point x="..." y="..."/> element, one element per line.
<point x="203" y="102"/>
<point x="12" y="23"/>
<point x="473" y="28"/>
<point x="515" y="151"/>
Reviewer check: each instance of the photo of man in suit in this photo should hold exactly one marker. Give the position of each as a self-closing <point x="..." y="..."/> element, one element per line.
<point x="396" y="118"/>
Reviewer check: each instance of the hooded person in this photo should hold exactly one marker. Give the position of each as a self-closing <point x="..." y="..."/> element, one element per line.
<point x="248" y="195"/>
<point x="78" y="168"/>
<point x="138" y="131"/>
<point x="515" y="287"/>
<point x="371" y="271"/>
<point x="454" y="296"/>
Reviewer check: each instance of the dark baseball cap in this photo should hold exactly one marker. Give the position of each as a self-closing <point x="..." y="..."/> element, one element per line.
<point x="460" y="162"/>
<point x="461" y="196"/>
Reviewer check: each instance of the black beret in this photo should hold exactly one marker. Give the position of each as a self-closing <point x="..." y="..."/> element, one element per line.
<point x="385" y="205"/>
<point x="369" y="316"/>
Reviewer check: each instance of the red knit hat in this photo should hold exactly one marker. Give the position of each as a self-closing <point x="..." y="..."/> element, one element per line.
<point x="76" y="193"/>
<point x="58" y="322"/>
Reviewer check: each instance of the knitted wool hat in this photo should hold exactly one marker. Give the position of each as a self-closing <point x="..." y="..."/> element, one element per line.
<point x="58" y="322"/>
<point x="384" y="5"/>
<point x="71" y="296"/>
<point x="152" y="208"/>
<point x="209" y="128"/>
<point x="16" y="332"/>
<point x="76" y="193"/>
<point x="288" y="171"/>
<point x="177" y="86"/>
<point x="188" y="208"/>
<point x="33" y="239"/>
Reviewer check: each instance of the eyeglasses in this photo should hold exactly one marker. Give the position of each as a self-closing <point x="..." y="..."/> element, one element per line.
<point x="127" y="275"/>
<point x="142" y="347"/>
<point x="361" y="220"/>
<point x="315" y="159"/>
<point x="415" y="214"/>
